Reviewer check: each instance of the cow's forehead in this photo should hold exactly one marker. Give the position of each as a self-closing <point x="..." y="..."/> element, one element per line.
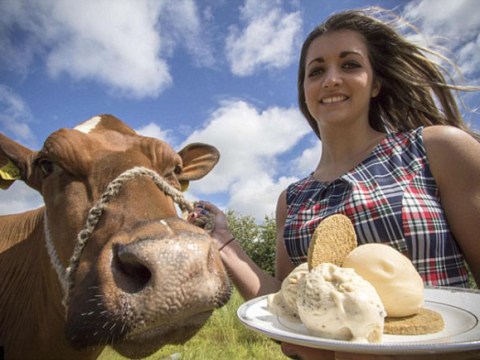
<point x="102" y="123"/>
<point x="79" y="146"/>
<point x="89" y="125"/>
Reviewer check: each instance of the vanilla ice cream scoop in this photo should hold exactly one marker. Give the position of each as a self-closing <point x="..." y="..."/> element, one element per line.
<point x="290" y="284"/>
<point x="336" y="303"/>
<point x="284" y="302"/>
<point x="392" y="274"/>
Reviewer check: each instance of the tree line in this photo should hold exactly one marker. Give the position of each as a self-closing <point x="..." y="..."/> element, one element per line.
<point x="258" y="240"/>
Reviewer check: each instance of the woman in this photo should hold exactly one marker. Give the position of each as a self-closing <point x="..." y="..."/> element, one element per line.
<point x="403" y="169"/>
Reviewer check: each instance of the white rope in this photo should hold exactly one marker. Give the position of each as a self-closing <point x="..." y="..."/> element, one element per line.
<point x="67" y="276"/>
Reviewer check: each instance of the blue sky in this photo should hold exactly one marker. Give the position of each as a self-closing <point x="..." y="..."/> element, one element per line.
<point x="217" y="71"/>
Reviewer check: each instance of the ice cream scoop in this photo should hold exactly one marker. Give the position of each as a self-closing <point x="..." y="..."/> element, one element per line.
<point x="284" y="302"/>
<point x="392" y="274"/>
<point x="336" y="303"/>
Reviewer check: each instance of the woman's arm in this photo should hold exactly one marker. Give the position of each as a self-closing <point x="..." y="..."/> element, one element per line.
<point x="283" y="265"/>
<point x="249" y="279"/>
<point x="454" y="158"/>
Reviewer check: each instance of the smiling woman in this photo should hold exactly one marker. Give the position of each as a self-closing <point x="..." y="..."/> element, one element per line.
<point x="405" y="66"/>
<point x="397" y="159"/>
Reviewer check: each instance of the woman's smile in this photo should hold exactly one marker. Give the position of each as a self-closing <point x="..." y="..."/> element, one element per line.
<point x="334" y="99"/>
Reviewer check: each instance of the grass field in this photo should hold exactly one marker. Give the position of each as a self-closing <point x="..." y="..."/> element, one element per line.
<point x="223" y="337"/>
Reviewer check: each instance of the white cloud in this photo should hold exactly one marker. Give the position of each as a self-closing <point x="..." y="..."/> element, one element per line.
<point x="268" y="39"/>
<point x="445" y="17"/>
<point x="15" y="119"/>
<point x="258" y="196"/>
<point x="120" y="50"/>
<point x="154" y="131"/>
<point x="15" y="115"/>
<point x="308" y="160"/>
<point x="18" y="198"/>
<point x="469" y="58"/>
<point x="180" y="22"/>
<point x="122" y="44"/>
<point x="250" y="142"/>
<point x="453" y="24"/>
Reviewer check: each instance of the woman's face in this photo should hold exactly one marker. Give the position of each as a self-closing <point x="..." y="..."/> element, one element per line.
<point x="338" y="80"/>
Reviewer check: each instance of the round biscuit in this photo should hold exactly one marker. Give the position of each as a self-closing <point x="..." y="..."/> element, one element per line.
<point x="426" y="321"/>
<point x="332" y="240"/>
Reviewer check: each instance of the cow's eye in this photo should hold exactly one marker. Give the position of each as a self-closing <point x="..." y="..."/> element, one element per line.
<point x="178" y="169"/>
<point x="46" y="166"/>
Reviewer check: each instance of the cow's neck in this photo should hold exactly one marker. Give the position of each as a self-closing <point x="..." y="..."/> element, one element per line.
<point x="26" y="270"/>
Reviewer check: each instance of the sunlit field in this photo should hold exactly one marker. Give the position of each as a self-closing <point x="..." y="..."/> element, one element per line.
<point x="223" y="337"/>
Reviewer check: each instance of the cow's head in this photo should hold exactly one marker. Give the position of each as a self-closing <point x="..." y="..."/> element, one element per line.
<point x="145" y="277"/>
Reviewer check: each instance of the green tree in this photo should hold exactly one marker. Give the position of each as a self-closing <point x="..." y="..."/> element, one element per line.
<point x="258" y="241"/>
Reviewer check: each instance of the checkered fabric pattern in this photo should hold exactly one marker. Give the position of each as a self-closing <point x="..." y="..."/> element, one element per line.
<point x="391" y="197"/>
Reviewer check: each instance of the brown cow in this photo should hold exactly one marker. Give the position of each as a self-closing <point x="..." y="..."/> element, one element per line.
<point x="132" y="274"/>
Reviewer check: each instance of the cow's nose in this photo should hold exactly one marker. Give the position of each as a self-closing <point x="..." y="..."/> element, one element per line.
<point x="147" y="263"/>
<point x="134" y="272"/>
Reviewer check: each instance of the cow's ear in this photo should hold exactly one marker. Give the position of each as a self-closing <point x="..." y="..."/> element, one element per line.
<point x="198" y="160"/>
<point x="15" y="163"/>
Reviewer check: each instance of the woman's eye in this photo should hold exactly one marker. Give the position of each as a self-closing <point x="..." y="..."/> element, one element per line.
<point x="351" y="65"/>
<point x="46" y="166"/>
<point x="315" y="72"/>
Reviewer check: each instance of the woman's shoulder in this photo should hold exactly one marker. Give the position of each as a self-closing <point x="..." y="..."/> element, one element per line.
<point x="447" y="140"/>
<point x="450" y="151"/>
<point x="443" y="132"/>
<point x="436" y="139"/>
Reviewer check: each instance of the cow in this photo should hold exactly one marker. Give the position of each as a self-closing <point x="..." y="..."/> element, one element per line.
<point x="108" y="259"/>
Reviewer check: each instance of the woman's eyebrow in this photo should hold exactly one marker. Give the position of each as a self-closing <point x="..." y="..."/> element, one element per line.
<point x="343" y="54"/>
<point x="350" y="52"/>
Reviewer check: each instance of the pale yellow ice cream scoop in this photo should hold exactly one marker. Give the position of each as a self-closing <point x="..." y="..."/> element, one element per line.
<point x="392" y="274"/>
<point x="284" y="302"/>
<point x="336" y="303"/>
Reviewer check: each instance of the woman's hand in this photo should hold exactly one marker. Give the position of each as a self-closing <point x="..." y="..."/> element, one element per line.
<point x="305" y="353"/>
<point x="209" y="216"/>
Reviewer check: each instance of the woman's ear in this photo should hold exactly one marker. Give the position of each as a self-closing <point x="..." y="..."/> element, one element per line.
<point x="376" y="86"/>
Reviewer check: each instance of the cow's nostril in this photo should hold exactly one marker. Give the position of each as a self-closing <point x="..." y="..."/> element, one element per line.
<point x="134" y="274"/>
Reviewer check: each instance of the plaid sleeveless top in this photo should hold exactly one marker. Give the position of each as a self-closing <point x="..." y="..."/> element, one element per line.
<point x="390" y="197"/>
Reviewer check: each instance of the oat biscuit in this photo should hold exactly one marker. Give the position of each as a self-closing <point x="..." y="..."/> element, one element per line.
<point x="425" y="322"/>
<point x="332" y="240"/>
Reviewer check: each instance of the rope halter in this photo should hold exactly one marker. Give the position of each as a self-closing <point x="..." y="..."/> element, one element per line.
<point x="67" y="276"/>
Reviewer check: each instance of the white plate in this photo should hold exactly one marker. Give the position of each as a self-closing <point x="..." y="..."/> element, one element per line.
<point x="460" y="309"/>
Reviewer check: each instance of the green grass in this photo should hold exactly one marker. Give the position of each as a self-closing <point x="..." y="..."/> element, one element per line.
<point x="223" y="337"/>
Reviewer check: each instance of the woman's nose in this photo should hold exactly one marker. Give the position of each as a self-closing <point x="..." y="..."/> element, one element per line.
<point x="332" y="79"/>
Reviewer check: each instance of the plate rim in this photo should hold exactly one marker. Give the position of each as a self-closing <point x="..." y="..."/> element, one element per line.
<point x="374" y="348"/>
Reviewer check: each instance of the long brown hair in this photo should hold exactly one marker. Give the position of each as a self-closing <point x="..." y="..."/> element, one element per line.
<point x="414" y="91"/>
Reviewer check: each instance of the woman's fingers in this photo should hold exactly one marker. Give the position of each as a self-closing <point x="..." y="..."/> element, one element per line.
<point x="306" y="353"/>
<point x="205" y="205"/>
